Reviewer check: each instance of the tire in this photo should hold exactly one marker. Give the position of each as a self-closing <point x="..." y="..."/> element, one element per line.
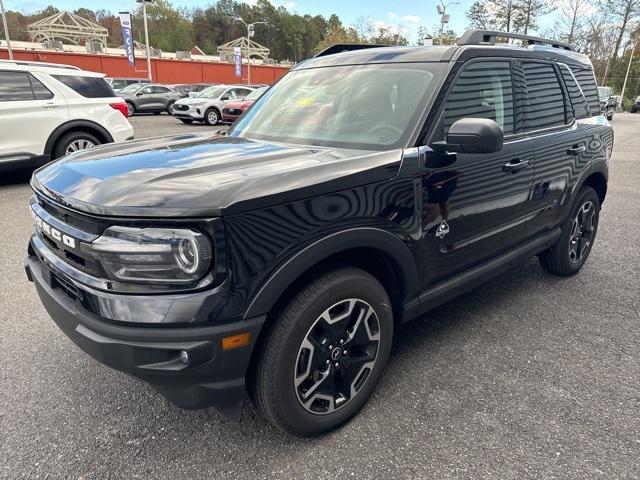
<point x="131" y="109"/>
<point x="568" y="255"/>
<point x="74" y="141"/>
<point x="610" y="117"/>
<point x="286" y="349"/>
<point x="186" y="120"/>
<point x="212" y="117"/>
<point x="170" y="108"/>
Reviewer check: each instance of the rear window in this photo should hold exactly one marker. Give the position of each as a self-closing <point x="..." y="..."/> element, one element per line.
<point x="90" y="87"/>
<point x="21" y="86"/>
<point x="587" y="82"/>
<point x="580" y="106"/>
<point x="546" y="101"/>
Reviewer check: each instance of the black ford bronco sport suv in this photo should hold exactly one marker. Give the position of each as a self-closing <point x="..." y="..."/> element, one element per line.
<point x="363" y="189"/>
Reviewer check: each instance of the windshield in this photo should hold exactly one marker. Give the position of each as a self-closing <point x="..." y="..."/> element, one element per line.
<point x="372" y="107"/>
<point x="134" y="87"/>
<point x="256" y="94"/>
<point x="211" y="92"/>
<point x="604" y="92"/>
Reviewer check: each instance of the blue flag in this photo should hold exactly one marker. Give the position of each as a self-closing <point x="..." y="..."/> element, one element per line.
<point x="127" y="37"/>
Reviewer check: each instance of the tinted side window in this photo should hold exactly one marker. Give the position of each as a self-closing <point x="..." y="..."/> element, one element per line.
<point x="15" y="86"/>
<point x="587" y="82"/>
<point x="546" y="102"/>
<point x="580" y="106"/>
<point x="160" y="89"/>
<point x="90" y="87"/>
<point x="40" y="92"/>
<point x="482" y="90"/>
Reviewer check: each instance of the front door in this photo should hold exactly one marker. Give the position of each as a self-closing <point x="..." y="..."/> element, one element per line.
<point x="476" y="206"/>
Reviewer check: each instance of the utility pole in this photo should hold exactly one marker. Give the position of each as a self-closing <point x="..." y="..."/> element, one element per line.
<point x="146" y="36"/>
<point x="444" y="17"/>
<point x="6" y="30"/>
<point x="626" y="77"/>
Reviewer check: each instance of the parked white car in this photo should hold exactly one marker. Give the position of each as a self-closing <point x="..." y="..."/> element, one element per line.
<point x="207" y="105"/>
<point x="49" y="110"/>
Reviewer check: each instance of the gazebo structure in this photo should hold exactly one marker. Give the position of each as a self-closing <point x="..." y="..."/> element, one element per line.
<point x="248" y="47"/>
<point x="69" y="27"/>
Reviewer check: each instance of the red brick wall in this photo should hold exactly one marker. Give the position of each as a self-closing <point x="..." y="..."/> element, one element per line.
<point x="164" y="70"/>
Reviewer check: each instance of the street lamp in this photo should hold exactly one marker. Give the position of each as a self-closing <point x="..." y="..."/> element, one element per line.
<point x="6" y="30"/>
<point x="250" y="33"/>
<point x="444" y="17"/>
<point x="146" y="36"/>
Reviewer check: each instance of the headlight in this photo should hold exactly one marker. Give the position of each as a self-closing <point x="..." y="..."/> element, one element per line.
<point x="152" y="255"/>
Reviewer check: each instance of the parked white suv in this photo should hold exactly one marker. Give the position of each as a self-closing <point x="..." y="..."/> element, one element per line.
<point x="206" y="106"/>
<point x="48" y="111"/>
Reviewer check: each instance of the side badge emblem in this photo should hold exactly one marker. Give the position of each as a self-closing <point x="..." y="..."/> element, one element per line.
<point x="443" y="229"/>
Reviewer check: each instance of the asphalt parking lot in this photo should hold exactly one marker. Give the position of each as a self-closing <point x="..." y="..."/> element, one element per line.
<point x="529" y="376"/>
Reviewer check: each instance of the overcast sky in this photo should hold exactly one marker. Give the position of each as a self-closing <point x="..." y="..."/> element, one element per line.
<point x="404" y="15"/>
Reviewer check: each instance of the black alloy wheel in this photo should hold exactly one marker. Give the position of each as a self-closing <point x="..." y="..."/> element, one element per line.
<point x="336" y="356"/>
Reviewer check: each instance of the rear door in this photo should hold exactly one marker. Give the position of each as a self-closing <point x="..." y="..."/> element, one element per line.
<point x="476" y="206"/>
<point x="29" y="112"/>
<point x="559" y="143"/>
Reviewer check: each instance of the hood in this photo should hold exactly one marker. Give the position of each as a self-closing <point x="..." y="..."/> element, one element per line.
<point x="240" y="104"/>
<point x="200" y="175"/>
<point x="192" y="100"/>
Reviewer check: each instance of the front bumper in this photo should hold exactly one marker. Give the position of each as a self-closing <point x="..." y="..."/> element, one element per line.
<point x="212" y="377"/>
<point x="194" y="113"/>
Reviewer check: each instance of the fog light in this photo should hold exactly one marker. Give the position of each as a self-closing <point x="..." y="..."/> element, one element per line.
<point x="184" y="357"/>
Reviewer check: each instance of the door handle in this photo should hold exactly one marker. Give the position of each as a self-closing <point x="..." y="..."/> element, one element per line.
<point x="576" y="150"/>
<point x="514" y="165"/>
<point x="50" y="105"/>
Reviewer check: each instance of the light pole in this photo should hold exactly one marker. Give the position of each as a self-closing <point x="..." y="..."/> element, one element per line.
<point x="626" y="77"/>
<point x="250" y="33"/>
<point x="6" y="30"/>
<point x="146" y="36"/>
<point x="444" y="17"/>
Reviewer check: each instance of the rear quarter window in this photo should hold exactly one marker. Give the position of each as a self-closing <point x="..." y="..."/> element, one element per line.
<point x="587" y="82"/>
<point x="89" y="87"/>
<point x="579" y="103"/>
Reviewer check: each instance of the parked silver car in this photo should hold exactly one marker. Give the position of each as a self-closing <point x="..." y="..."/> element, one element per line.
<point x="149" y="98"/>
<point x="207" y="105"/>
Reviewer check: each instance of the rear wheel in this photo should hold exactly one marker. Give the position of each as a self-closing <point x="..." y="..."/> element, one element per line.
<point x="170" y="108"/>
<point x="324" y="354"/>
<point x="211" y="117"/>
<point x="568" y="256"/>
<point x="131" y="109"/>
<point x="72" y="142"/>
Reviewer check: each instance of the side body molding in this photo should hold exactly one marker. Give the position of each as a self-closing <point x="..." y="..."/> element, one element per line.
<point x="363" y="237"/>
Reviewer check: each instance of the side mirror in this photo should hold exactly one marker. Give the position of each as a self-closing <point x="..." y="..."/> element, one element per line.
<point x="472" y="135"/>
<point x="226" y="97"/>
<point x="139" y="94"/>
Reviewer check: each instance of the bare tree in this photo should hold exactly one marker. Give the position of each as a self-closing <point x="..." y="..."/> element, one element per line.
<point x="527" y="13"/>
<point x="624" y="13"/>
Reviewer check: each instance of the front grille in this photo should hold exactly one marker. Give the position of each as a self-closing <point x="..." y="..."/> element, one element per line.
<point x="85" y="229"/>
<point x="180" y="107"/>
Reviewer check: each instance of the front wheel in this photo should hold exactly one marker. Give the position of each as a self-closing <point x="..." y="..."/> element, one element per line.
<point x="568" y="256"/>
<point x="211" y="117"/>
<point x="324" y="354"/>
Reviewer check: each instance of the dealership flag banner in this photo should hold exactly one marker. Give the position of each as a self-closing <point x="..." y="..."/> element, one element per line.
<point x="127" y="37"/>
<point x="237" y="60"/>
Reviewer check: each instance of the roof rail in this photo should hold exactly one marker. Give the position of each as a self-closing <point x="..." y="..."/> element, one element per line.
<point x="41" y="64"/>
<point x="488" y="37"/>
<point x="345" y="47"/>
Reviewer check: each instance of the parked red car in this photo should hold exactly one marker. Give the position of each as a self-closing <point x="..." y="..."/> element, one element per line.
<point x="233" y="110"/>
